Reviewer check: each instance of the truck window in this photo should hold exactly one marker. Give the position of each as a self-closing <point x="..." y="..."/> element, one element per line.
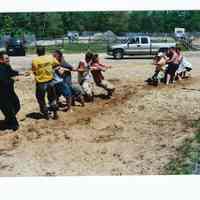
<point x="144" y="40"/>
<point x="132" y="41"/>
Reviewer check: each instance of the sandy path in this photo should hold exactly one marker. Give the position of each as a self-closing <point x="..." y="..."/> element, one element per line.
<point x="135" y="132"/>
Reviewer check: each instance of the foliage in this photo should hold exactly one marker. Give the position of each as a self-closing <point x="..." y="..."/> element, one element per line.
<point x="187" y="155"/>
<point x="52" y="24"/>
<point x="96" y="47"/>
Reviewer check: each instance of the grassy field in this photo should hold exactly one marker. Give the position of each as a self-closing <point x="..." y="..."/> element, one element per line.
<point x="96" y="47"/>
<point x="187" y="156"/>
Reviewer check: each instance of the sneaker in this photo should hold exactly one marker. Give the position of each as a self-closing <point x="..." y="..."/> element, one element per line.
<point x="46" y="115"/>
<point x="55" y="115"/>
<point x="45" y="112"/>
<point x="110" y="92"/>
<point x="80" y="99"/>
<point x="65" y="109"/>
<point x="12" y="125"/>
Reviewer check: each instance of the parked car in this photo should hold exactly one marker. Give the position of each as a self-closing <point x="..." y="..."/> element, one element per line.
<point x="139" y="45"/>
<point x="179" y="33"/>
<point x="72" y="36"/>
<point x="15" y="47"/>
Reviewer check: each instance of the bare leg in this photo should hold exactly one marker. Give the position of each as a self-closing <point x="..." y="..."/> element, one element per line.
<point x="179" y="77"/>
<point x="81" y="100"/>
<point x="168" y="79"/>
<point x="69" y="103"/>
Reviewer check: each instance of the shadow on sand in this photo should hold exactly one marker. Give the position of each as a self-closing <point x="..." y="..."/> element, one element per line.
<point x="3" y="125"/>
<point x="102" y="96"/>
<point x="130" y="58"/>
<point x="35" y="115"/>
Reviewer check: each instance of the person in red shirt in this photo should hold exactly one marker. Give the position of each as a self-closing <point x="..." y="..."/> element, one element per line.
<point x="96" y="69"/>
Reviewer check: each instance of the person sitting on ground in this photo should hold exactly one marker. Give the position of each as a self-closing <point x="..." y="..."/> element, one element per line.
<point x="77" y="93"/>
<point x="96" y="70"/>
<point x="173" y="64"/>
<point x="160" y="65"/>
<point x="43" y="70"/>
<point x="85" y="78"/>
<point x="9" y="101"/>
<point x="184" y="65"/>
<point x="180" y="70"/>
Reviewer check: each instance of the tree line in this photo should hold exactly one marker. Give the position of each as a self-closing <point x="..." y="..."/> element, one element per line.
<point x="54" y="24"/>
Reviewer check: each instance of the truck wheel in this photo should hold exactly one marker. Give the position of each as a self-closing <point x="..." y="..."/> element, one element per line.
<point x="23" y="52"/>
<point x="118" y="54"/>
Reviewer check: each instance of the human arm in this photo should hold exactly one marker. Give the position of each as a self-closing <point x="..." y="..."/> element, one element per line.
<point x="80" y="67"/>
<point x="180" y="58"/>
<point x="34" y="67"/>
<point x="61" y="70"/>
<point x="98" y="66"/>
<point x="172" y="59"/>
<point x="104" y="66"/>
<point x="12" y="72"/>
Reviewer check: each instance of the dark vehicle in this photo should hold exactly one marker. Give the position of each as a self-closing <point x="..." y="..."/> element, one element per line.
<point x="15" y="48"/>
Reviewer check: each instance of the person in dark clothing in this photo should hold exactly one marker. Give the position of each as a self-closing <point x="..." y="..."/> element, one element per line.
<point x="9" y="101"/>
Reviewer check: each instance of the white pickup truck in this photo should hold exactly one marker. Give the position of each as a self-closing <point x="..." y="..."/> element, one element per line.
<point x="139" y="45"/>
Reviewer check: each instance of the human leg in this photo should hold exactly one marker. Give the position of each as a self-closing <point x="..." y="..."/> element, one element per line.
<point x="15" y="102"/>
<point x="77" y="94"/>
<point x="10" y="118"/>
<point x="88" y="89"/>
<point x="109" y="87"/>
<point x="40" y="96"/>
<point x="52" y="97"/>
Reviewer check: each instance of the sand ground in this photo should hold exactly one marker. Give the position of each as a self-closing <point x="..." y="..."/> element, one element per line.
<point x="135" y="132"/>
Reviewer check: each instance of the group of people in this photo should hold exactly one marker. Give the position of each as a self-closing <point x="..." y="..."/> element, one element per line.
<point x="169" y="67"/>
<point x="53" y="78"/>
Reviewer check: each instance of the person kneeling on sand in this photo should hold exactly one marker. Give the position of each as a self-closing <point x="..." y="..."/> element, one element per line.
<point x="160" y="66"/>
<point x="96" y="70"/>
<point x="43" y="69"/>
<point x="85" y="77"/>
<point x="184" y="65"/>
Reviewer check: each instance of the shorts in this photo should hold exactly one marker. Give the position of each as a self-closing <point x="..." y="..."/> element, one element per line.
<point x="172" y="68"/>
<point x="106" y="85"/>
<point x="88" y="88"/>
<point x="76" y="90"/>
<point x="63" y="89"/>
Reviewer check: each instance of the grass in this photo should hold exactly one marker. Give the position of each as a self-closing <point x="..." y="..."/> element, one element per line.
<point x="95" y="47"/>
<point x="182" y="47"/>
<point x="187" y="155"/>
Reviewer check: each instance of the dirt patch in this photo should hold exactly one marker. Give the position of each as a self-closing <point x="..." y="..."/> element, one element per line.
<point x="134" y="132"/>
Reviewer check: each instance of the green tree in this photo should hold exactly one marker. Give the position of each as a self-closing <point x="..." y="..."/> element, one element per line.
<point x="54" y="25"/>
<point x="8" y="24"/>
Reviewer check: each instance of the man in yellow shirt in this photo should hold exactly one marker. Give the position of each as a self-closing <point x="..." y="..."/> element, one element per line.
<point x="42" y="67"/>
